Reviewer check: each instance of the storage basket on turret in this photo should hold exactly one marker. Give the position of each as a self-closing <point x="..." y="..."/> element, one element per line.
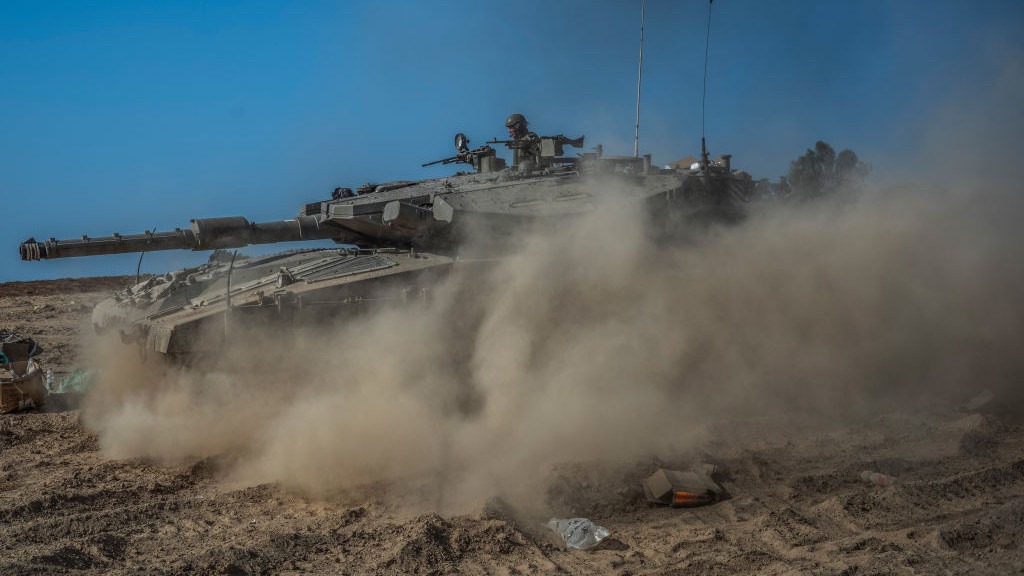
<point x="22" y="386"/>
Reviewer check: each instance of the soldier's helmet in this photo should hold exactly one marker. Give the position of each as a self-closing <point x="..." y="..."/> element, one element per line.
<point x="516" y="124"/>
<point x="515" y="119"/>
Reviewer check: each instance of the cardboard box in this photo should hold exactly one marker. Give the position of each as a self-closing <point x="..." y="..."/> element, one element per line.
<point x="683" y="488"/>
<point x="22" y="386"/>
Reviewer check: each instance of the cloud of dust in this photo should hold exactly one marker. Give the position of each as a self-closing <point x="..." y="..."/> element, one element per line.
<point x="592" y="342"/>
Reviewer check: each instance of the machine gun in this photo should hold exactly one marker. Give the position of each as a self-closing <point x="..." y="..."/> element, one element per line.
<point x="557" y="141"/>
<point x="483" y="159"/>
<point x="548" y="149"/>
<point x="460" y="158"/>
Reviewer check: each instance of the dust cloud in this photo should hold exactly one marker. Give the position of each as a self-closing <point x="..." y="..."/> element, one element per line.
<point x="593" y="342"/>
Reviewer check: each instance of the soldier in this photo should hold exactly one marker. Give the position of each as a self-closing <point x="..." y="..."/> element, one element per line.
<point x="526" y="152"/>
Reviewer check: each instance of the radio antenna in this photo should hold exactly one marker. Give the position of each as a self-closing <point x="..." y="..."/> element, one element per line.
<point x="704" y="93"/>
<point x="639" y="78"/>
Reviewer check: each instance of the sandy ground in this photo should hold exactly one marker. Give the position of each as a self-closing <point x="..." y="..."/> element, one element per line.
<point x="798" y="505"/>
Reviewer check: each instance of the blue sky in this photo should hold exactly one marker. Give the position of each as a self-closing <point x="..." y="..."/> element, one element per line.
<point x="120" y="116"/>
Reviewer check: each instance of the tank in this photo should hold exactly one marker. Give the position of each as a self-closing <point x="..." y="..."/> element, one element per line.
<point x="397" y="240"/>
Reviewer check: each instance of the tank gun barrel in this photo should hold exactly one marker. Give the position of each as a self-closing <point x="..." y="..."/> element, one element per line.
<point x="202" y="234"/>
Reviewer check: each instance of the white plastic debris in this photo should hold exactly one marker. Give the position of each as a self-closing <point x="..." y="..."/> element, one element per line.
<point x="979" y="402"/>
<point x="578" y="533"/>
<point x="877" y="478"/>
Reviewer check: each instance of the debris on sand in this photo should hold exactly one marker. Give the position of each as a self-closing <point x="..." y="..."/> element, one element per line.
<point x="22" y="386"/>
<point x="579" y="533"/>
<point x="694" y="487"/>
<point x="78" y="380"/>
<point x="979" y="402"/>
<point x="17" y="349"/>
<point x="877" y="478"/>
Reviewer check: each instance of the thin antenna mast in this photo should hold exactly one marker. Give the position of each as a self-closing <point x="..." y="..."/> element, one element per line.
<point x="227" y="311"/>
<point x="704" y="93"/>
<point x="639" y="78"/>
<point x="138" y="269"/>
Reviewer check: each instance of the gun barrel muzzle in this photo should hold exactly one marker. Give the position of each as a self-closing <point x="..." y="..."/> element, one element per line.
<point x="116" y="244"/>
<point x="203" y="234"/>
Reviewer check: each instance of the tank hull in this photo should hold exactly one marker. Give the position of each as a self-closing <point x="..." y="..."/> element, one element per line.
<point x="195" y="312"/>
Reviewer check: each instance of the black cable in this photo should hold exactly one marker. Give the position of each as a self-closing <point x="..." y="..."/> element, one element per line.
<point x="138" y="269"/>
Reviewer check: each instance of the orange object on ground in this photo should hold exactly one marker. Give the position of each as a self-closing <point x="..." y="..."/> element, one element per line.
<point x="677" y="488"/>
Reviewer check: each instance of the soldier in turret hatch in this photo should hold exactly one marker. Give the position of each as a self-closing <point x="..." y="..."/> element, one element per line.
<point x="526" y="152"/>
